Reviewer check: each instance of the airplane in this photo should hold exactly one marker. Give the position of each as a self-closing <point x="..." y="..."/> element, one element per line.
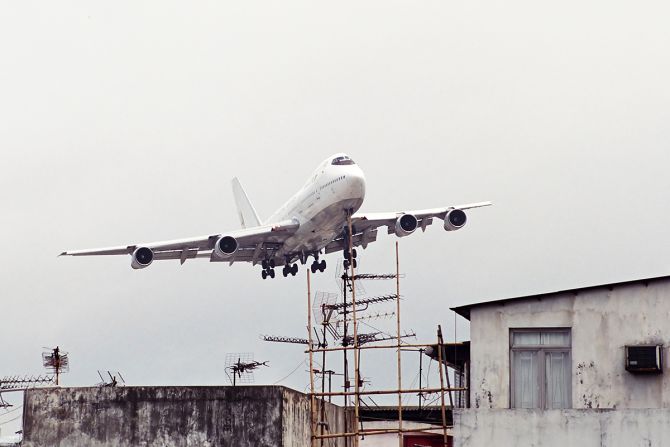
<point x="313" y="222"/>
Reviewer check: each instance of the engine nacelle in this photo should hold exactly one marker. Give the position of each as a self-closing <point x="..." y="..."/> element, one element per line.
<point x="225" y="247"/>
<point x="454" y="220"/>
<point x="405" y="225"/>
<point x="142" y="257"/>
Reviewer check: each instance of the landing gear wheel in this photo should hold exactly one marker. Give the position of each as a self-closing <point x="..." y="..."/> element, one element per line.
<point x="271" y="263"/>
<point x="313" y="267"/>
<point x="294" y="269"/>
<point x="346" y="264"/>
<point x="353" y="252"/>
<point x="271" y="272"/>
<point x="264" y="274"/>
<point x="264" y="264"/>
<point x="322" y="265"/>
<point x="355" y="264"/>
<point x="285" y="271"/>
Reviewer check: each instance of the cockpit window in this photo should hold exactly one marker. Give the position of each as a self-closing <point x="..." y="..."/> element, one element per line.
<point x="339" y="161"/>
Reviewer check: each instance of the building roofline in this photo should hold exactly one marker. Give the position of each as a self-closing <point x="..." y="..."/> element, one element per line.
<point x="464" y="310"/>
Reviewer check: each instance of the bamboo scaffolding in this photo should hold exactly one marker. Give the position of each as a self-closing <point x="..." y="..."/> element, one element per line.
<point x="353" y="429"/>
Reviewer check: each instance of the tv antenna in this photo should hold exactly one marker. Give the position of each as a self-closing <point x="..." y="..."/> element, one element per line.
<point x="241" y="367"/>
<point x="56" y="361"/>
<point x="23" y="382"/>
<point x="281" y="339"/>
<point x="114" y="380"/>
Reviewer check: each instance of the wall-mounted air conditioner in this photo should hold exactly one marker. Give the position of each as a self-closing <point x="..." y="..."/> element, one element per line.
<point x="644" y="359"/>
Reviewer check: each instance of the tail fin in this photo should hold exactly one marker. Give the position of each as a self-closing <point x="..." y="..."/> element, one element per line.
<point x="246" y="211"/>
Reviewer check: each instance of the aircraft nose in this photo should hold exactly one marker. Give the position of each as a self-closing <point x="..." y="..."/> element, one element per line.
<point x="357" y="183"/>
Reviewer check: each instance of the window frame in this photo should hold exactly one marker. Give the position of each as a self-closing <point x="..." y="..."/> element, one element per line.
<point x="541" y="367"/>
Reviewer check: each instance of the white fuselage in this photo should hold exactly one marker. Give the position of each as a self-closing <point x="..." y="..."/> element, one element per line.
<point x="321" y="206"/>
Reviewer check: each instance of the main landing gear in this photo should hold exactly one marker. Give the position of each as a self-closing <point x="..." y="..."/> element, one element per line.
<point x="348" y="260"/>
<point x="320" y="266"/>
<point x="290" y="269"/>
<point x="268" y="268"/>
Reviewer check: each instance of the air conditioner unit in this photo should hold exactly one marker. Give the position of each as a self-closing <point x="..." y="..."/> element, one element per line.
<point x="644" y="359"/>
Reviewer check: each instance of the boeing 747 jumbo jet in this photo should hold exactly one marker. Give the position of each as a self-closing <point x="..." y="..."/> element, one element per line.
<point x="313" y="222"/>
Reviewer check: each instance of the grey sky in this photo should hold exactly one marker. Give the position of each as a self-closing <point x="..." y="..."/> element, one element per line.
<point x="124" y="122"/>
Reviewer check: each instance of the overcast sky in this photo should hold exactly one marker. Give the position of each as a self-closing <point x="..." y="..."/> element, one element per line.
<point x="123" y="122"/>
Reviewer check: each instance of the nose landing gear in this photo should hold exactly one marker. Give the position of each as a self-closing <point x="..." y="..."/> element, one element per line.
<point x="348" y="261"/>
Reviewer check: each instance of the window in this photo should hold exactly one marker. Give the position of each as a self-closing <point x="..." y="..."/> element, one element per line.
<point x="540" y="368"/>
<point x="344" y="160"/>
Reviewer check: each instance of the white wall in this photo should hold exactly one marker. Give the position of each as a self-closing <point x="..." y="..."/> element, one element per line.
<point x="602" y="322"/>
<point x="391" y="439"/>
<point x="584" y="428"/>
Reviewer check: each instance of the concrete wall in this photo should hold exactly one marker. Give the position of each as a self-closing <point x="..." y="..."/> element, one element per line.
<point x="602" y="321"/>
<point x="297" y="424"/>
<point x="584" y="428"/>
<point x="167" y="416"/>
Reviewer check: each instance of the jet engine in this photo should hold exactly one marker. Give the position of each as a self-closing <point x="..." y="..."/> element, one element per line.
<point x="405" y="225"/>
<point x="225" y="247"/>
<point x="454" y="220"/>
<point x="142" y="257"/>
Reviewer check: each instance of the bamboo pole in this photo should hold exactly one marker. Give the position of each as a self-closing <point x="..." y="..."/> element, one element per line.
<point x="385" y="392"/>
<point x="381" y="431"/>
<point x="311" y="361"/>
<point x="322" y="418"/>
<point x="397" y="285"/>
<point x="393" y="346"/>
<point x="345" y="365"/>
<point x="356" y="351"/>
<point x="439" y="361"/>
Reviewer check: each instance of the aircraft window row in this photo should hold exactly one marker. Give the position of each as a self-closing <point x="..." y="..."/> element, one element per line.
<point x="333" y="181"/>
<point x="340" y="161"/>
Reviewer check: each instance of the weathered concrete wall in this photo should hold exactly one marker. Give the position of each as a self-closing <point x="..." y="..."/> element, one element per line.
<point x="297" y="422"/>
<point x="166" y="416"/>
<point x="602" y="322"/>
<point x="545" y="428"/>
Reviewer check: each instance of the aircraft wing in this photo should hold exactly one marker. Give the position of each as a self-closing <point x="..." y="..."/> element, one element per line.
<point x="253" y="244"/>
<point x="365" y="225"/>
